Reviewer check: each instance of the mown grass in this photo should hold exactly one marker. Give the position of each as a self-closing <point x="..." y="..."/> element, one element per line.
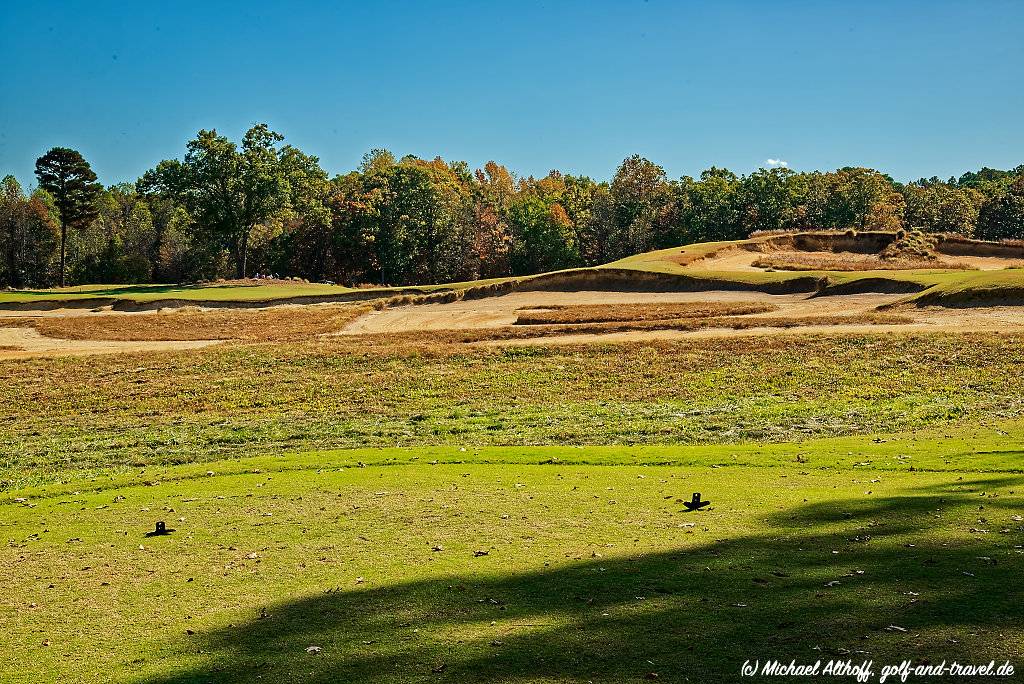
<point x="147" y="293"/>
<point x="213" y="292"/>
<point x="591" y="572"/>
<point x="68" y="417"/>
<point x="230" y="291"/>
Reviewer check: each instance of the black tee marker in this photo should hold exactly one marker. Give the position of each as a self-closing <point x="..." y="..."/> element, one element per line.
<point x="695" y="504"/>
<point x="161" y="529"/>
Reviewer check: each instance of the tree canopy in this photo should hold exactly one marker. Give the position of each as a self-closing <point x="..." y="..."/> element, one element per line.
<point x="261" y="206"/>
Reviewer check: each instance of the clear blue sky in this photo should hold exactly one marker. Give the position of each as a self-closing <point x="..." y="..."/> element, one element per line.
<point x="910" y="88"/>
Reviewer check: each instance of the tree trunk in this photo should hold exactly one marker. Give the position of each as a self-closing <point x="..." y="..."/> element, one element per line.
<point x="14" y="276"/>
<point x="243" y="255"/>
<point x="63" y="242"/>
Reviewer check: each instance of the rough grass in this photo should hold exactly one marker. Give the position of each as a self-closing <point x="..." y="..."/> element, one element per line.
<point x="610" y="313"/>
<point x="523" y="331"/>
<point x="67" y="418"/>
<point x="591" y="572"/>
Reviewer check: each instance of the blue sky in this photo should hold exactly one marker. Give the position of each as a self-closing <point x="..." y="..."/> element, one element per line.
<point x="910" y="88"/>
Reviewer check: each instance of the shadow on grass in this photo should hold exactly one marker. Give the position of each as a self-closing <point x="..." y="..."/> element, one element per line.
<point x="693" y="614"/>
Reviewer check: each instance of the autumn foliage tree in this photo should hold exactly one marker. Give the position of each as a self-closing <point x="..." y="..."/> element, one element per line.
<point x="262" y="206"/>
<point x="28" y="236"/>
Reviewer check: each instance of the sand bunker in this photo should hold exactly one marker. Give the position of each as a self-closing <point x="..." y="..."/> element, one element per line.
<point x="494" y="312"/>
<point x="501" y="311"/>
<point x="27" y="342"/>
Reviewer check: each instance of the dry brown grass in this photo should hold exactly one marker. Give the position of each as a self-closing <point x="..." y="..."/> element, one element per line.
<point x="848" y="261"/>
<point x="445" y="342"/>
<point x="615" y="313"/>
<point x="285" y="323"/>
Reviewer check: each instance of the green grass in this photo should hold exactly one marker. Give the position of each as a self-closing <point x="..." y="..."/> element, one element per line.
<point x="592" y="572"/>
<point x="71" y="417"/>
<point x="148" y="293"/>
<point x="207" y="292"/>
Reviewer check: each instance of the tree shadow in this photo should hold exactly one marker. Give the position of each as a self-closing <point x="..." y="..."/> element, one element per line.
<point x="695" y="614"/>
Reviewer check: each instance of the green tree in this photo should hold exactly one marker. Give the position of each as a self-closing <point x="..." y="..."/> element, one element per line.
<point x="938" y="207"/>
<point x="711" y="206"/>
<point x="642" y="195"/>
<point x="542" y="235"/>
<point x="1002" y="216"/>
<point x="68" y="178"/>
<point x="853" y="197"/>
<point x="123" y="240"/>
<point x="768" y="199"/>
<point x="228" y="190"/>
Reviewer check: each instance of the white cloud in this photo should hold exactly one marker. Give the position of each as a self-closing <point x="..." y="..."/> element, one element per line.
<point x="776" y="162"/>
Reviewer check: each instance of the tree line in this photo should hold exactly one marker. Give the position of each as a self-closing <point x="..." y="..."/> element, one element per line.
<point x="231" y="210"/>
